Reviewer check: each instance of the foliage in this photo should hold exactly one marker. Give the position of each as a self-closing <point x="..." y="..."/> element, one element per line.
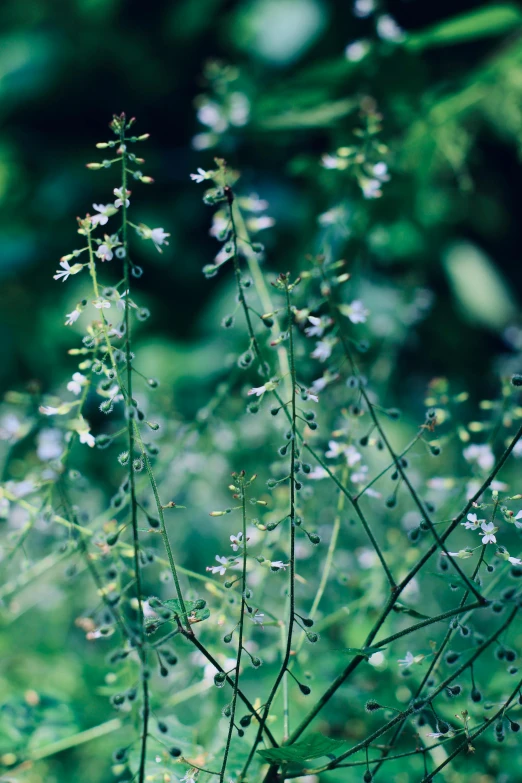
<point x="292" y="549"/>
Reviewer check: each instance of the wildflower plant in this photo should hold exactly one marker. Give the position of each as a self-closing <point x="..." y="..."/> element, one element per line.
<point x="235" y="670"/>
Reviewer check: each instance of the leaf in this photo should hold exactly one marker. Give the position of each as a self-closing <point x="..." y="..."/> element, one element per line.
<point x="454" y="580"/>
<point x="194" y="614"/>
<point x="402" y="609"/>
<point x="310" y="747"/>
<point x="366" y="652"/>
<point x="478" y="23"/>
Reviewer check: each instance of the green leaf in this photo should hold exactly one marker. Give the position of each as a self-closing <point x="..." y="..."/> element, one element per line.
<point x="403" y="609"/>
<point x="310" y="747"/>
<point x="366" y="652"/>
<point x="454" y="580"/>
<point x="194" y="614"/>
<point x="478" y="23"/>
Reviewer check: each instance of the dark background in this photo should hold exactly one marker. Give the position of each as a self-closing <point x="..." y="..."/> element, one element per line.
<point x="67" y="66"/>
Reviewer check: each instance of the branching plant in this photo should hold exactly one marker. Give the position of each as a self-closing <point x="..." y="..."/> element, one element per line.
<point x="367" y="615"/>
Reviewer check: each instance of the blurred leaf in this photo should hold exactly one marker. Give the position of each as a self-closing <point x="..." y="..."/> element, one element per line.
<point x="310" y="747"/>
<point x="478" y="286"/>
<point x="478" y="23"/>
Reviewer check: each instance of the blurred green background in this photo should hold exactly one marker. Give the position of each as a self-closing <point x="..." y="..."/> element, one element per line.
<point x="270" y="85"/>
<point x="452" y="116"/>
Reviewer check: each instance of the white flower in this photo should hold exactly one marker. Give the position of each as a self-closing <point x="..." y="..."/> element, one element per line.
<point x="87" y="438"/>
<point x="356" y="311"/>
<point x="201" y="176"/>
<point x="311" y="396"/>
<point x="334" y="449"/>
<point x="104" y="252"/>
<point x="323" y="350"/>
<point x="118" y="192"/>
<point x="389" y="30"/>
<point x="253" y="203"/>
<point x="514" y="560"/>
<point x="361" y="475"/>
<point x="407" y="661"/>
<point x="516" y="520"/>
<point x="489" y="531"/>
<point x="72" y="317"/>
<point x="329" y="161"/>
<point x="260" y="223"/>
<point x="318" y="473"/>
<point x="67" y="270"/>
<point x="267" y="387"/>
<point x="278" y="565"/>
<point x="49" y="444"/>
<point x="352" y="455"/>
<point x="356" y="51"/>
<point x="48" y="410"/>
<point x="236" y="541"/>
<point x="437" y="734"/>
<point x="101" y="304"/>
<point x="473" y="523"/>
<point x="318" y="326"/>
<point x="371" y="188"/>
<point x="105" y="211"/>
<point x="189" y="778"/>
<point x="257" y="390"/>
<point x="221" y="568"/>
<point x="462" y="554"/>
<point x="481" y="454"/>
<point x="159" y="237"/>
<point x="78" y="380"/>
<point x="363" y="8"/>
<point x="257" y="618"/>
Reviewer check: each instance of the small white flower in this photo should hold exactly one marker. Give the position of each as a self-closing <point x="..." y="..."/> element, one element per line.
<point x="118" y="192"/>
<point x="189" y="778"/>
<point x="236" y="541"/>
<point x="159" y="237"/>
<point x="260" y="223"/>
<point x="49" y="444"/>
<point x="352" y="455"/>
<point x="371" y="188"/>
<point x="101" y="304"/>
<point x="318" y="473"/>
<point x="201" y="176"/>
<point x="473" y="523"/>
<point x="389" y="30"/>
<point x="257" y="390"/>
<point x="489" y="530"/>
<point x="67" y="270"/>
<point x="360" y="476"/>
<point x="311" y="396"/>
<point x="518" y="517"/>
<point x="514" y="560"/>
<point x="356" y="311"/>
<point x="363" y="8"/>
<point x="334" y="449"/>
<point x="481" y="454"/>
<point x="329" y="161"/>
<point x="48" y="410"/>
<point x="221" y="568"/>
<point x="72" y="317"/>
<point x="462" y="554"/>
<point x="323" y="350"/>
<point x="257" y="618"/>
<point x="78" y="380"/>
<point x="318" y="326"/>
<point x="407" y="660"/>
<point x="356" y="51"/>
<point x="87" y="438"/>
<point x="267" y="387"/>
<point x="278" y="565"/>
<point x="105" y="211"/>
<point x="105" y="253"/>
